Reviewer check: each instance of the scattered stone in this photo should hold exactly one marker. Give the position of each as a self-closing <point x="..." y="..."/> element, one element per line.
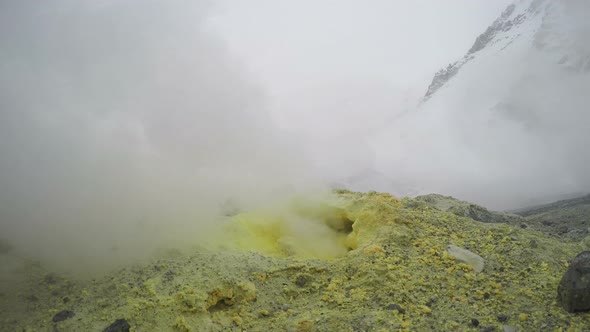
<point x="63" y="315"/>
<point x="524" y="226"/>
<point x="169" y="275"/>
<point x="533" y="243"/>
<point x="66" y="299"/>
<point x="50" y="279"/>
<point x="283" y="307"/>
<point x="509" y="328"/>
<point x="32" y="298"/>
<point x="578" y="231"/>
<point x="120" y="325"/>
<point x="573" y="291"/>
<point x="562" y="229"/>
<point x="489" y="328"/>
<point x="431" y="301"/>
<point x="397" y="307"/>
<point x="502" y="318"/>
<point x="468" y="210"/>
<point x="466" y="256"/>
<point x="474" y="322"/>
<point x="302" y="279"/>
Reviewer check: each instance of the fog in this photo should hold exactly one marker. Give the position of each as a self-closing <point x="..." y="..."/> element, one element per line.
<point x="512" y="132"/>
<point x="126" y="126"/>
<point x="338" y="71"/>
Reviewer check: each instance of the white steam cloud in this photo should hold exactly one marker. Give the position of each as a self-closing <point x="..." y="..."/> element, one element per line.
<point x="123" y="126"/>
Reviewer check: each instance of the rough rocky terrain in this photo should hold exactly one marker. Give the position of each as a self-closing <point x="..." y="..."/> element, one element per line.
<point x="383" y="265"/>
<point x="566" y="219"/>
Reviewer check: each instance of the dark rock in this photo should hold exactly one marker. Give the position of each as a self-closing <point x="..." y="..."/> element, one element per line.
<point x="120" y="325"/>
<point x="63" y="315"/>
<point x="50" y="279"/>
<point x="533" y="243"/>
<point x="572" y="213"/>
<point x="573" y="292"/>
<point x="577" y="231"/>
<point x="66" y="299"/>
<point x="432" y="301"/>
<point x="283" y="307"/>
<point x="302" y="279"/>
<point x="468" y="210"/>
<point x="397" y="307"/>
<point x="32" y="298"/>
<point x="502" y="318"/>
<point x="442" y="77"/>
<point x="474" y="322"/>
<point x="169" y="275"/>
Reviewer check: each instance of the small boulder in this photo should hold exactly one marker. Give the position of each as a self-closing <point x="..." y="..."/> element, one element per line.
<point x="503" y="318"/>
<point x="63" y="315"/>
<point x="397" y="307"/>
<point x="120" y="325"/>
<point x="562" y="229"/>
<point x="466" y="256"/>
<point x="573" y="292"/>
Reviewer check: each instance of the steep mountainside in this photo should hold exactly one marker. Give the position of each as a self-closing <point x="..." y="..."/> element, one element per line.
<point x="507" y="124"/>
<point x="550" y="27"/>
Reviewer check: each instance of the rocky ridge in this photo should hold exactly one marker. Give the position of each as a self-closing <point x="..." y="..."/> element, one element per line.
<point x="542" y="25"/>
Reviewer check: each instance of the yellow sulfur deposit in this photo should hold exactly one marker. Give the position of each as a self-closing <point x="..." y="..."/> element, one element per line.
<point x="353" y="262"/>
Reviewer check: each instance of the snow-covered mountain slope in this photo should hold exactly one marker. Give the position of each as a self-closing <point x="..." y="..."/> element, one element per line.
<point x="508" y="121"/>
<point x="556" y="28"/>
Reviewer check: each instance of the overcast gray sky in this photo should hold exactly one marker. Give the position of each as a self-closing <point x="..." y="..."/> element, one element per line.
<point x="334" y="71"/>
<point x="327" y="65"/>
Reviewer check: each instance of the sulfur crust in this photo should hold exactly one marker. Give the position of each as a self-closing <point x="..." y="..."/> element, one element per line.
<point x="273" y="276"/>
